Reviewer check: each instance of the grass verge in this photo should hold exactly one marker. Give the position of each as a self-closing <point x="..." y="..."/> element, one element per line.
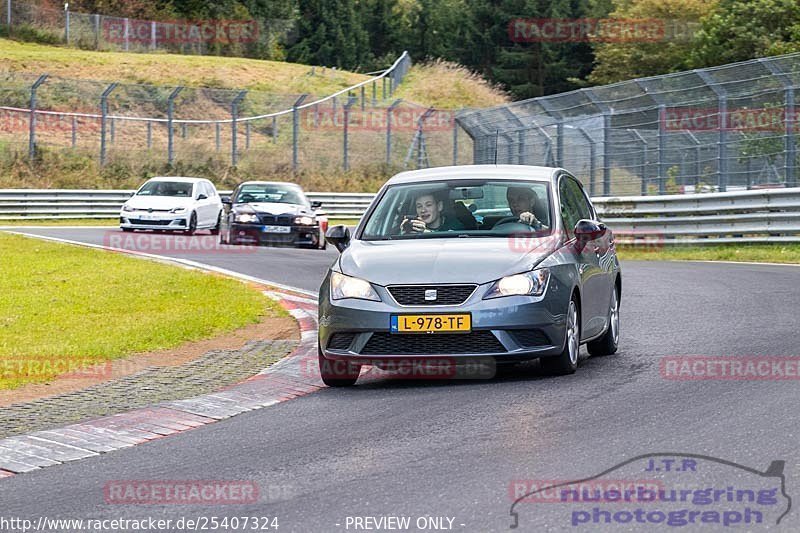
<point x="65" y="308"/>
<point x="62" y="222"/>
<point x="758" y="253"/>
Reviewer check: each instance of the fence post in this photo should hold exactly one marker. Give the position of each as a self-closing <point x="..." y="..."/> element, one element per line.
<point x="389" y="112"/>
<point x="103" y="114"/>
<point x="384" y="87"/>
<point x="8" y="15"/>
<point x="170" y="126"/>
<point x="96" y="32"/>
<point x="149" y="134"/>
<point x="183" y="130"/>
<point x="32" y="117"/>
<point x="274" y="129"/>
<point x="374" y="93"/>
<point x="74" y="131"/>
<point x="643" y="166"/>
<point x="216" y="136"/>
<point x="363" y="103"/>
<point x="296" y="130"/>
<point x="113" y="130"/>
<point x="350" y="101"/>
<point x="153" y="35"/>
<point x="662" y="148"/>
<point x="455" y="141"/>
<point x="247" y="135"/>
<point x="592" y="157"/>
<point x="66" y="23"/>
<point x="127" y="43"/>
<point x="234" y="118"/>
<point x="722" y="136"/>
<point x="789" y="145"/>
<point x="606" y="110"/>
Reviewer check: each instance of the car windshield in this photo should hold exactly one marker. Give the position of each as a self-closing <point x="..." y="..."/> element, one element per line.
<point x="166" y="188"/>
<point x="459" y="208"/>
<point x="266" y="193"/>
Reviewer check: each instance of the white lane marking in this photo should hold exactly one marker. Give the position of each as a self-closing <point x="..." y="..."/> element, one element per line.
<point x="173" y="260"/>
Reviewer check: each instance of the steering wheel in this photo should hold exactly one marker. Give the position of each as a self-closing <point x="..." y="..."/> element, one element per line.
<point x="510" y="220"/>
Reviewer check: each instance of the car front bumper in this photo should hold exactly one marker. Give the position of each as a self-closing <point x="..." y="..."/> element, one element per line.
<point x="509" y="329"/>
<point x="255" y="234"/>
<point x="165" y="221"/>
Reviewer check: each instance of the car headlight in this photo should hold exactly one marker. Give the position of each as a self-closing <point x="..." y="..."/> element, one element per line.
<point x="126" y="207"/>
<point x="304" y="221"/>
<point x="349" y="287"/>
<point x="246" y="218"/>
<point x="531" y="283"/>
<point x="177" y="210"/>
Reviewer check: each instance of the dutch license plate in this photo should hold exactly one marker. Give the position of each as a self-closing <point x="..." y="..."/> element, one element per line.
<point x="277" y="229"/>
<point x="460" y="323"/>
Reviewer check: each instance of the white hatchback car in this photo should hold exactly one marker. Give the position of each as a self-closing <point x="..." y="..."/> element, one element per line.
<point x="173" y="204"/>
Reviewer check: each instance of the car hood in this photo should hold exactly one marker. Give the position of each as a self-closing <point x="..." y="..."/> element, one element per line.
<point x="274" y="208"/>
<point x="159" y="202"/>
<point x="446" y="260"/>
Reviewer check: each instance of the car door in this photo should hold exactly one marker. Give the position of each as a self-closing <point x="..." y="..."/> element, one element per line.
<point x="204" y="206"/>
<point x="575" y="206"/>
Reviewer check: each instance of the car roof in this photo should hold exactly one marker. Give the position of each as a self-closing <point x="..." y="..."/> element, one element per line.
<point x="504" y="172"/>
<point x="256" y="182"/>
<point x="177" y="178"/>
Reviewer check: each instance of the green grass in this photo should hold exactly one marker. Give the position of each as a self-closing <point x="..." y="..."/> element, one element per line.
<point x="62" y="222"/>
<point x="759" y="253"/>
<point x="62" y="305"/>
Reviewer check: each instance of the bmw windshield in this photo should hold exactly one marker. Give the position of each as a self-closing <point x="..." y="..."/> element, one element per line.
<point x="267" y="193"/>
<point x="460" y="208"/>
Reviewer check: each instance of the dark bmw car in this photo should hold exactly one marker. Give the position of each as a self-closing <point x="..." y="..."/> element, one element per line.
<point x="272" y="213"/>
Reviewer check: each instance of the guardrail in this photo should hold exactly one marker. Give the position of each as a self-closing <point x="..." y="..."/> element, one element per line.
<point x="770" y="215"/>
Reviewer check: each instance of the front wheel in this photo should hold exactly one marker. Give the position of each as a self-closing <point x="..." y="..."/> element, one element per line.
<point x="567" y="361"/>
<point x="337" y="373"/>
<point x="192" y="224"/>
<point x="608" y="343"/>
<point x="127" y="230"/>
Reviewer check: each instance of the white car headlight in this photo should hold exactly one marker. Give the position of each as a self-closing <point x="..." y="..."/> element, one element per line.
<point x="531" y="283"/>
<point x="177" y="210"/>
<point x="246" y="218"/>
<point x="349" y="287"/>
<point x="126" y="207"/>
<point x="304" y="221"/>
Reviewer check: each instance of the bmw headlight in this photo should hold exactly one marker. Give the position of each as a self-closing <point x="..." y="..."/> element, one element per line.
<point x="349" y="287"/>
<point x="126" y="207"/>
<point x="246" y="218"/>
<point x="531" y="283"/>
<point x="304" y="221"/>
<point x="177" y="210"/>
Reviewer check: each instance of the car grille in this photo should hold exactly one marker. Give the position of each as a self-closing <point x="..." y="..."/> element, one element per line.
<point x="341" y="341"/>
<point x="277" y="220"/>
<point x="432" y="344"/>
<point x="445" y="294"/>
<point x="530" y="337"/>
<point x="150" y="222"/>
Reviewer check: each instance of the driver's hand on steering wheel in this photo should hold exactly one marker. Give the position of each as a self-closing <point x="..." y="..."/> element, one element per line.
<point x="529" y="219"/>
<point x="413" y="225"/>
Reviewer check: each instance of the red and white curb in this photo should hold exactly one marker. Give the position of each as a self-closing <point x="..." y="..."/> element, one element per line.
<point x="289" y="378"/>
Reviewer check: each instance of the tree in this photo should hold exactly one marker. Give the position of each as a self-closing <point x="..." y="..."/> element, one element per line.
<point x="617" y="61"/>
<point x="330" y="33"/>
<point x="741" y="30"/>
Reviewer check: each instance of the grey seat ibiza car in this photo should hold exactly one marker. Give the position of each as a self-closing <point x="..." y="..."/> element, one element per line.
<point x="454" y="265"/>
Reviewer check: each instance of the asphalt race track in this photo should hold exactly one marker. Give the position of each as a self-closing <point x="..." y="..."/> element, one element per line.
<point x="454" y="449"/>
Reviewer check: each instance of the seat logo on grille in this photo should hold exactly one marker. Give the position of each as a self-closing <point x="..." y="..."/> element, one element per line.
<point x="431" y="295"/>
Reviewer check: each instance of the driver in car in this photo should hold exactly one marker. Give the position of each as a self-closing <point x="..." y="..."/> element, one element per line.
<point x="521" y="201"/>
<point x="429" y="217"/>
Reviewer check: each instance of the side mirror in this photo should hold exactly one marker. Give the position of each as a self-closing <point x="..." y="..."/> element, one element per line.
<point x="338" y="236"/>
<point x="589" y="230"/>
<point x="316" y="204"/>
<point x="226" y="199"/>
<point x="202" y="197"/>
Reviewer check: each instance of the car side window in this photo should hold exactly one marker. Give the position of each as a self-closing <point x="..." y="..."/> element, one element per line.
<point x="573" y="203"/>
<point x="212" y="191"/>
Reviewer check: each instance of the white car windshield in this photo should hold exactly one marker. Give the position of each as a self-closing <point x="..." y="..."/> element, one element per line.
<point x="480" y="208"/>
<point x="166" y="188"/>
<point x="263" y="193"/>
